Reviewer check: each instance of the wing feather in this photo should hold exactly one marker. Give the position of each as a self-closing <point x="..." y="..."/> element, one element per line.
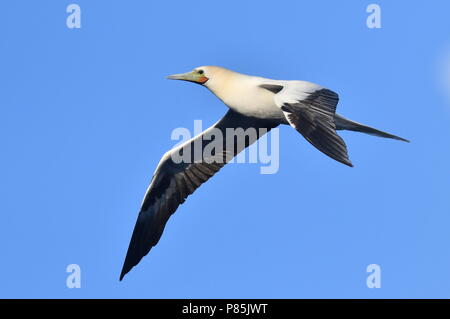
<point x="173" y="182"/>
<point x="310" y="109"/>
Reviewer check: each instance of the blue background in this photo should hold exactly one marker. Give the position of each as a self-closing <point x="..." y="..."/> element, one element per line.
<point x="86" y="114"/>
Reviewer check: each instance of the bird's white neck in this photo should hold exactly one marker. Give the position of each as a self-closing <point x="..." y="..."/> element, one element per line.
<point x="243" y="94"/>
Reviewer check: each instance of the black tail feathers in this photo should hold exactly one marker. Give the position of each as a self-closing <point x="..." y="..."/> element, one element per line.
<point x="345" y="124"/>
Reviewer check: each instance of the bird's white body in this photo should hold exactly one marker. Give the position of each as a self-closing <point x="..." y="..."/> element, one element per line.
<point x="244" y="94"/>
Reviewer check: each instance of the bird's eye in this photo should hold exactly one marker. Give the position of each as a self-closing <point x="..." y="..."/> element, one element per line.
<point x="201" y="71"/>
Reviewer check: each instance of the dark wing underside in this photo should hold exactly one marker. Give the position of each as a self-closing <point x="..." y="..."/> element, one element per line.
<point x="313" y="117"/>
<point x="182" y="171"/>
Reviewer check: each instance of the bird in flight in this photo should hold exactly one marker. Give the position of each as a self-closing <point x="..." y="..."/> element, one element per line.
<point x="254" y="103"/>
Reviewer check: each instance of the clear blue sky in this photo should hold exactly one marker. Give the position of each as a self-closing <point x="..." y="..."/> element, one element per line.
<point x="85" y="115"/>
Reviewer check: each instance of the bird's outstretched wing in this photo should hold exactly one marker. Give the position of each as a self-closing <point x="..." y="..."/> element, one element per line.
<point x="182" y="170"/>
<point x="310" y="109"/>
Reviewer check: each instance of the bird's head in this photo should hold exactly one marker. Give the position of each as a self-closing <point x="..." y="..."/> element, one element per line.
<point x="199" y="75"/>
<point x="215" y="78"/>
<point x="209" y="76"/>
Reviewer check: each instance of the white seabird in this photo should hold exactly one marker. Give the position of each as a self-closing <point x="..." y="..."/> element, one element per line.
<point x="254" y="102"/>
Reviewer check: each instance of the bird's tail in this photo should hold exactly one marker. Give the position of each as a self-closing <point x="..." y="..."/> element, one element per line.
<point x="345" y="124"/>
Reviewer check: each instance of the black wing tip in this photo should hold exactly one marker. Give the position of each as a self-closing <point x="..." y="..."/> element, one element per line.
<point x="123" y="273"/>
<point x="125" y="270"/>
<point x="344" y="161"/>
<point x="130" y="262"/>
